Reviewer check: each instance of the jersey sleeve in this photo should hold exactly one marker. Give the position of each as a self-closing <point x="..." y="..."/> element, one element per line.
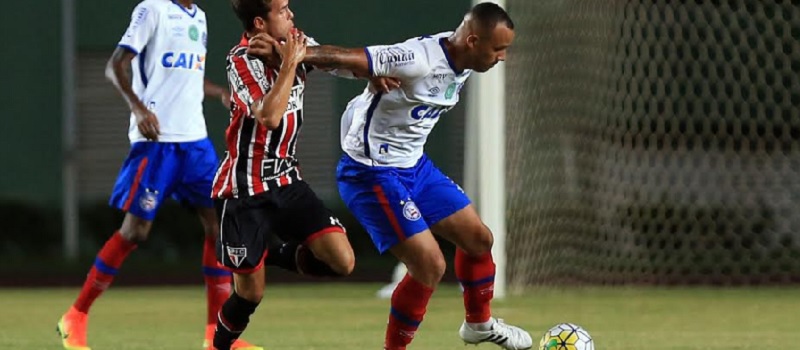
<point x="141" y="29"/>
<point x="248" y="80"/>
<point x="406" y="60"/>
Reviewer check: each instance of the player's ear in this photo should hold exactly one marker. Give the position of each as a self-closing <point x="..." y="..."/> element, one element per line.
<point x="260" y="24"/>
<point x="472" y="40"/>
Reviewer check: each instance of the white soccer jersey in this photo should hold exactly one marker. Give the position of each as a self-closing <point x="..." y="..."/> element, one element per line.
<point x="168" y="70"/>
<point x="390" y="129"/>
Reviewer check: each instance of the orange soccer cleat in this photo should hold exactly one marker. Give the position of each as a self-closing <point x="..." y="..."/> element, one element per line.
<point x="72" y="329"/>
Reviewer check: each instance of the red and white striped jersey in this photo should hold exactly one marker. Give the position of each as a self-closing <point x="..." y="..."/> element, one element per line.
<point x="258" y="159"/>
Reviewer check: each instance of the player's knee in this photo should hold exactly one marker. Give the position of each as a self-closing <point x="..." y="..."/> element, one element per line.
<point x="208" y="218"/>
<point x="253" y="295"/>
<point x="480" y="242"/>
<point x="135" y="229"/>
<point x="429" y="269"/>
<point x="344" y="263"/>
<point x="211" y="230"/>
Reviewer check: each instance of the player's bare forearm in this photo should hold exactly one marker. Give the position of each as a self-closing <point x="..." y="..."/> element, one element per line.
<point x="269" y="110"/>
<point x="213" y="90"/>
<point x="334" y="57"/>
<point x="117" y="72"/>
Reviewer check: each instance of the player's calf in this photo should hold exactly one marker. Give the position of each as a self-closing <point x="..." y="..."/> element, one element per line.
<point x="235" y="314"/>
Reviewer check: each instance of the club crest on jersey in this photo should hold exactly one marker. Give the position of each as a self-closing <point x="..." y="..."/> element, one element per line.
<point x="236" y="255"/>
<point x="451" y="90"/>
<point x="149" y="200"/>
<point x="411" y="212"/>
<point x="194" y="33"/>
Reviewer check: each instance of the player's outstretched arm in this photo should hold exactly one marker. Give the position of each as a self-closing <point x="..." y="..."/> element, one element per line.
<point x="335" y="57"/>
<point x="270" y="108"/>
<point x="214" y="90"/>
<point x="323" y="56"/>
<point x="117" y="73"/>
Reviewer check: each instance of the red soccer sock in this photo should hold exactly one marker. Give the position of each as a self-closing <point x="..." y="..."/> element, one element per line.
<point x="218" y="280"/>
<point x="106" y="265"/>
<point x="409" y="303"/>
<point x="476" y="275"/>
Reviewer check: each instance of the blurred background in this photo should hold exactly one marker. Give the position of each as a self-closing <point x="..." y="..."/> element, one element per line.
<point x="652" y="159"/>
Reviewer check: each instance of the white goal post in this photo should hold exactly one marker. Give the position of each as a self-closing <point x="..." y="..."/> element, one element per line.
<point x="485" y="158"/>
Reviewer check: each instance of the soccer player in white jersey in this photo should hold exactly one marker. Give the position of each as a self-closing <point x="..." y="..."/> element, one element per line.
<point x="396" y="192"/>
<point x="170" y="155"/>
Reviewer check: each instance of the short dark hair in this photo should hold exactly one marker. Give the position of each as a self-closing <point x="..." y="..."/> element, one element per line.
<point x="489" y="15"/>
<point x="248" y="10"/>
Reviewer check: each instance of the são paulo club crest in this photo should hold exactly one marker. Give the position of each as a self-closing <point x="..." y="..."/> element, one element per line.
<point x="236" y="255"/>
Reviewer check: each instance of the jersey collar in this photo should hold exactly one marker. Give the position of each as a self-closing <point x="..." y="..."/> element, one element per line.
<point x="447" y="56"/>
<point x="191" y="12"/>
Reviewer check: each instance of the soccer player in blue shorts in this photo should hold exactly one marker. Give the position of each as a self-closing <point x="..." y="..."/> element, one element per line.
<point x="170" y="155"/>
<point x="396" y="192"/>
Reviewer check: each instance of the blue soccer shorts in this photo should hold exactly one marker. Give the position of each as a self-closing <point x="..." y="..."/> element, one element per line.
<point x="154" y="171"/>
<point x="394" y="204"/>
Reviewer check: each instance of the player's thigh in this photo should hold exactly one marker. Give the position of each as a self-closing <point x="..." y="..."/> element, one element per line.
<point x="384" y="207"/>
<point x="305" y="218"/>
<point x="148" y="176"/>
<point x="465" y="229"/>
<point x="209" y="220"/>
<point x="244" y="228"/>
<point x="198" y="169"/>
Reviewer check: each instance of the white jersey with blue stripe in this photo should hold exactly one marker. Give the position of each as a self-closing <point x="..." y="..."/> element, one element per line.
<point x="168" y="71"/>
<point x="390" y="129"/>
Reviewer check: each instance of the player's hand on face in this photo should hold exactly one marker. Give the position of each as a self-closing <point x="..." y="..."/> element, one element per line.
<point x="294" y="49"/>
<point x="262" y="46"/>
<point x="147" y="123"/>
<point x="384" y="84"/>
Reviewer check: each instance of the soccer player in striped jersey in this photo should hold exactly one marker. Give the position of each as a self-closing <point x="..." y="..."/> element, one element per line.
<point x="260" y="189"/>
<point x="170" y="156"/>
<point x="396" y="192"/>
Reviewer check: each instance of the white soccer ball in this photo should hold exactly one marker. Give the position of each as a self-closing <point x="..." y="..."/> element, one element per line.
<point x="566" y="336"/>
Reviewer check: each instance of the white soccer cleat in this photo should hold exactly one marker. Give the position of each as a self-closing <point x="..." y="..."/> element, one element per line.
<point x="506" y="336"/>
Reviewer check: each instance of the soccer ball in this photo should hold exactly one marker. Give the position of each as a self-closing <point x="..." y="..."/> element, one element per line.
<point x="566" y="336"/>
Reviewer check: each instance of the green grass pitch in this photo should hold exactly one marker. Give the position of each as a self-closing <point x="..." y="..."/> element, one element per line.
<point x="347" y="316"/>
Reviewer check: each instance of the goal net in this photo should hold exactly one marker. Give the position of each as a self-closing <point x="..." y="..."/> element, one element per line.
<point x="653" y="142"/>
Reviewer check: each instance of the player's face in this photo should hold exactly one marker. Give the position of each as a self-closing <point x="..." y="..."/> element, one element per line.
<point x="280" y="19"/>
<point x="490" y="50"/>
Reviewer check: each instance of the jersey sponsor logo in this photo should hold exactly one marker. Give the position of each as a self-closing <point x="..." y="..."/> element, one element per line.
<point x="395" y="56"/>
<point x="295" y="99"/>
<point x="236" y="255"/>
<point x="441" y="77"/>
<point x="183" y="60"/>
<point x="274" y="168"/>
<point x="411" y="212"/>
<point x="428" y="112"/>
